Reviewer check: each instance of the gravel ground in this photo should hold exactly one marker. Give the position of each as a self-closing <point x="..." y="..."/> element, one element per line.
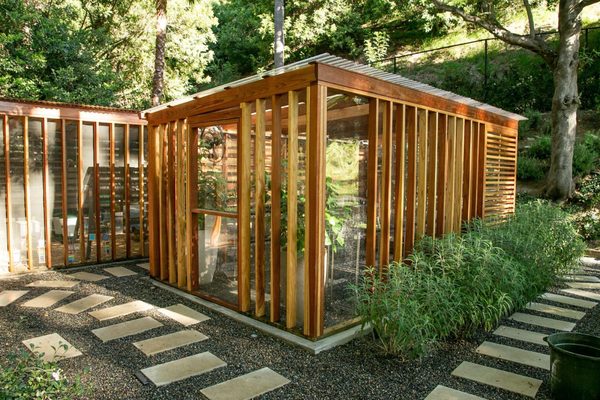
<point x="356" y="370"/>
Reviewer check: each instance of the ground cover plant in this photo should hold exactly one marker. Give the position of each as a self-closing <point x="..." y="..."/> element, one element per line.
<point x="452" y="286"/>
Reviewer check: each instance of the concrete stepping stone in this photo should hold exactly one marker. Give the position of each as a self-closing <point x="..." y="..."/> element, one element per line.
<point x="584" y="285"/>
<point x="496" y="377"/>
<point x="169" y="342"/>
<point x="84" y="304"/>
<point x="52" y="346"/>
<point x="514" y="354"/>
<point x="127" y="328"/>
<point x="145" y="266"/>
<point x="48" y="299"/>
<point x="247" y="386"/>
<point x="569" y="300"/>
<point x="521" y="334"/>
<point x="582" y="293"/>
<point x="121" y="310"/>
<point x="88" y="276"/>
<point x="445" y="393"/>
<point x="53" y="284"/>
<point x="559" y="311"/>
<point x="543" y="321"/>
<point x="581" y="278"/>
<point x="9" y="296"/>
<point x="183" y="314"/>
<point x="120" y="272"/>
<point x="174" y="371"/>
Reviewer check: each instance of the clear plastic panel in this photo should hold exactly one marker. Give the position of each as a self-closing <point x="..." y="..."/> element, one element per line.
<point x="119" y="202"/>
<point x="3" y="237"/>
<point x="134" y="190"/>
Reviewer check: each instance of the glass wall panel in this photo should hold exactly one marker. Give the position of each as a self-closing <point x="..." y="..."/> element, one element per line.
<point x="104" y="190"/>
<point x="73" y="222"/>
<point x="3" y="237"/>
<point x="119" y="203"/>
<point x="134" y="190"/>
<point x="89" y="194"/>
<point x="55" y="192"/>
<point x="17" y="194"/>
<point x="346" y="201"/>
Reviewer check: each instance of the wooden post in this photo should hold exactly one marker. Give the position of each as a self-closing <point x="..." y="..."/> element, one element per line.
<point x="475" y="170"/>
<point x="422" y="121"/>
<point x="450" y="186"/>
<point x="180" y="196"/>
<point x="8" y="200"/>
<point x="386" y="186"/>
<point x="27" y="200"/>
<point x="466" y="194"/>
<point x="45" y="188"/>
<point x="65" y="230"/>
<point x="411" y="185"/>
<point x="481" y="168"/>
<point x="153" y="199"/>
<point x="192" y="199"/>
<point x="442" y="181"/>
<point x="432" y="172"/>
<point x="372" y="182"/>
<point x="275" y="207"/>
<point x="170" y="186"/>
<point x="244" y="169"/>
<point x="399" y="189"/>
<point x="163" y="209"/>
<point x="292" y="210"/>
<point x="259" y="204"/>
<point x="458" y="172"/>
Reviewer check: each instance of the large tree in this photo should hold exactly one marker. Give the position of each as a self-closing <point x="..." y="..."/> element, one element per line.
<point x="279" y="41"/>
<point x="159" y="52"/>
<point x="562" y="57"/>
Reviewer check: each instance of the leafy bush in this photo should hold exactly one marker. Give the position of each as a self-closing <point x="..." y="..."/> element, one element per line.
<point x="588" y="191"/>
<point x="541" y="148"/>
<point x="588" y="224"/>
<point x="531" y="169"/>
<point x="27" y="376"/>
<point x="452" y="286"/>
<point x="585" y="155"/>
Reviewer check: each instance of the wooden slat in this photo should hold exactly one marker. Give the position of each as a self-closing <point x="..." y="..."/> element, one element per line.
<point x="127" y="192"/>
<point x="411" y="180"/>
<point x="450" y="186"/>
<point x="443" y="172"/>
<point x="292" y="210"/>
<point x="162" y="207"/>
<point x="170" y="217"/>
<point x="481" y="173"/>
<point x="27" y="199"/>
<point x="142" y="189"/>
<point x="97" y="194"/>
<point x="80" y="194"/>
<point x="458" y="171"/>
<point x="63" y="182"/>
<point x="306" y="302"/>
<point x="153" y="200"/>
<point x="474" y="168"/>
<point x="192" y="201"/>
<point x="244" y="206"/>
<point x="466" y="193"/>
<point x="45" y="177"/>
<point x="180" y="198"/>
<point x="386" y="186"/>
<point x="259" y="204"/>
<point x="399" y="188"/>
<point x="8" y="201"/>
<point x="373" y="133"/>
<point x="432" y="172"/>
<point x="113" y="232"/>
<point x="275" y="209"/>
<point x="422" y="121"/>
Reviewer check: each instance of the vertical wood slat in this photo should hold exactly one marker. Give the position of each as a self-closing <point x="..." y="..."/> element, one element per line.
<point x="458" y="171"/>
<point x="162" y="208"/>
<point x="481" y="168"/>
<point x="127" y="192"/>
<point x="442" y="181"/>
<point x="180" y="198"/>
<point x="466" y="194"/>
<point x="399" y="188"/>
<point x="27" y="198"/>
<point x="259" y="204"/>
<point x="306" y="302"/>
<point x="450" y="184"/>
<point x="275" y="208"/>
<point x="153" y="200"/>
<point x="8" y="201"/>
<point x="411" y="184"/>
<point x="475" y="169"/>
<point x="192" y="200"/>
<point x="386" y="186"/>
<point x="113" y="231"/>
<point x="63" y="181"/>
<point x="98" y="233"/>
<point x="142" y="188"/>
<point x="170" y="184"/>
<point x="244" y="207"/>
<point x="432" y="171"/>
<point x="372" y="182"/>
<point x="422" y="121"/>
<point x="45" y="177"/>
<point x="292" y="210"/>
<point x="80" y="194"/>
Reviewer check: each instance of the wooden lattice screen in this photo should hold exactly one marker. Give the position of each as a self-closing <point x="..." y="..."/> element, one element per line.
<point x="500" y="174"/>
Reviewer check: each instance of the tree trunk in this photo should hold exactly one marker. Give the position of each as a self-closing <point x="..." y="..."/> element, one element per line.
<point x="159" y="52"/>
<point x="559" y="184"/>
<point x="279" y="42"/>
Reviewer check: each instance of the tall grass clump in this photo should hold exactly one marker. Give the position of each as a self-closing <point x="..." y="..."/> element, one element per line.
<point x="452" y="286"/>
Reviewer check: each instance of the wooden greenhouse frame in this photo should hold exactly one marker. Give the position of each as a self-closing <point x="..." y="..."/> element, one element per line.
<point x="458" y="163"/>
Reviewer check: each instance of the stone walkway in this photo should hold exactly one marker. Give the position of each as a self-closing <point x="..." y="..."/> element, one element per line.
<point x="52" y="347"/>
<point x="575" y="296"/>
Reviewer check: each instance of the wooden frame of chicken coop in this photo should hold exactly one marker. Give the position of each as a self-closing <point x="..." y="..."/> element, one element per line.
<point x="271" y="194"/>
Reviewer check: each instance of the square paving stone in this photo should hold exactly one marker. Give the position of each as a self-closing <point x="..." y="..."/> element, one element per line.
<point x="173" y="371"/>
<point x="121" y="310"/>
<point x="446" y="393"/>
<point x="48" y="299"/>
<point x="514" y="354"/>
<point x="88" y="276"/>
<point x="521" y="334"/>
<point x="498" y="378"/>
<point x="559" y="311"/>
<point x="120" y="272"/>
<point x="84" y="304"/>
<point x="247" y="386"/>
<point x="127" y="328"/>
<point x="557" y="298"/>
<point x="9" y="296"/>
<point x="169" y="342"/>
<point x="52" y="346"/>
<point x="584" y="285"/>
<point x="543" y="321"/>
<point x="582" y="293"/>
<point x="53" y="284"/>
<point x="183" y="314"/>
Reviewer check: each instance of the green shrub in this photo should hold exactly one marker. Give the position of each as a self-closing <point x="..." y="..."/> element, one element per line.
<point x="531" y="169"/>
<point x="452" y="286"/>
<point x="27" y="376"/>
<point x="541" y="148"/>
<point x="585" y="157"/>
<point x="588" y="224"/>
<point x="587" y="193"/>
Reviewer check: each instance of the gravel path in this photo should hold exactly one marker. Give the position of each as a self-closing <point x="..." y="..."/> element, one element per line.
<point x="356" y="370"/>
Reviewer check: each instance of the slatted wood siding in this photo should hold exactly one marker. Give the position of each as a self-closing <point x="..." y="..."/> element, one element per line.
<point x="500" y="173"/>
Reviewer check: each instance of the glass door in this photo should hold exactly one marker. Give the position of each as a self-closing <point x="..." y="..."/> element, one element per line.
<point x="215" y="215"/>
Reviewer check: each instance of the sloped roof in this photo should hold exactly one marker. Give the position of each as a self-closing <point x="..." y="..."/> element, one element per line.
<point x="74" y="105"/>
<point x="350" y="66"/>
